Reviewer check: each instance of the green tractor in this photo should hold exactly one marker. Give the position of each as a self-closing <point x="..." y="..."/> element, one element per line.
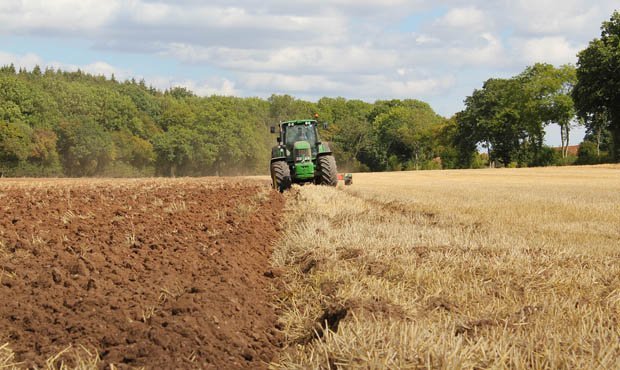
<point x="300" y="157"/>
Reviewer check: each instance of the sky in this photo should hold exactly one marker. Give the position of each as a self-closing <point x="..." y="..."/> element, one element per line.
<point x="436" y="51"/>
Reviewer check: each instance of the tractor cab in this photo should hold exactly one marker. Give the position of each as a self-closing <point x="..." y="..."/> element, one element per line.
<point x="297" y="131"/>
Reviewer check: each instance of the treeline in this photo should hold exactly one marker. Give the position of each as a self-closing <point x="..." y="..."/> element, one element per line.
<point x="56" y="123"/>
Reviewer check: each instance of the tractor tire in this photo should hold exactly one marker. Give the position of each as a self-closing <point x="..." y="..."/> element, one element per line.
<point x="280" y="176"/>
<point x="327" y="170"/>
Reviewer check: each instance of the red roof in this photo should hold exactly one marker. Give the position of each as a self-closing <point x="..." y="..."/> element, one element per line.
<point x="572" y="149"/>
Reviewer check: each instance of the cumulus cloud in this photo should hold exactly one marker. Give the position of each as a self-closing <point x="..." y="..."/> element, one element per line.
<point x="27" y="61"/>
<point x="356" y="48"/>
<point x="214" y="86"/>
<point x="200" y="16"/>
<point x="555" y="17"/>
<point x="425" y="39"/>
<point x="57" y="15"/>
<point x="469" y="18"/>
<point x="483" y="50"/>
<point x="366" y="87"/>
<point x="552" y="49"/>
<point x="311" y="59"/>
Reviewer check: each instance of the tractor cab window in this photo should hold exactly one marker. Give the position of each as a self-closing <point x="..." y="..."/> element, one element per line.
<point x="300" y="133"/>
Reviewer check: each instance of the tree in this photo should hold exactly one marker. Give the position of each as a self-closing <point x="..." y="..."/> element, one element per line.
<point x="443" y="143"/>
<point x="86" y="148"/>
<point x="43" y="148"/>
<point x="405" y="131"/>
<point x="349" y="132"/>
<point x="285" y="107"/>
<point x="15" y="142"/>
<point x="177" y="113"/>
<point x="133" y="149"/>
<point x="182" y="151"/>
<point x="493" y="118"/>
<point x="597" y="91"/>
<point x="548" y="101"/>
<point x="179" y="92"/>
<point x="597" y="131"/>
<point x="508" y="116"/>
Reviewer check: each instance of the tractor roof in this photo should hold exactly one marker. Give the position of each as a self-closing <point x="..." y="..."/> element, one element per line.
<point x="298" y="121"/>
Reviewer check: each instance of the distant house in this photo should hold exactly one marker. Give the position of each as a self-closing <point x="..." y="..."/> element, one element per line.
<point x="570" y="150"/>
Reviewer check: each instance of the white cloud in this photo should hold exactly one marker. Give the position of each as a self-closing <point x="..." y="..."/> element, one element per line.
<point x="208" y="87"/>
<point x="99" y="68"/>
<point x="555" y="17"/>
<point x="350" y="59"/>
<point x="223" y="87"/>
<point x="483" y="50"/>
<point x="489" y="54"/>
<point x="469" y="18"/>
<point x="368" y="87"/>
<point x="553" y="49"/>
<point x="65" y="15"/>
<point x="426" y="39"/>
<point x="282" y="83"/>
<point x="197" y="17"/>
<point x="354" y="48"/>
<point x="423" y="87"/>
<point x="27" y="61"/>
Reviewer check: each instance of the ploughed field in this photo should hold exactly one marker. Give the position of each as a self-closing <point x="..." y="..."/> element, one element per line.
<point x="157" y="273"/>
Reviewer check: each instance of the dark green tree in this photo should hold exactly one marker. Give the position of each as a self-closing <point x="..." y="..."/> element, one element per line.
<point x="85" y="148"/>
<point x="598" y="87"/>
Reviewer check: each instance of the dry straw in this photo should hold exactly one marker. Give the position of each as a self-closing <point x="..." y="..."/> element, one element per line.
<point x="454" y="269"/>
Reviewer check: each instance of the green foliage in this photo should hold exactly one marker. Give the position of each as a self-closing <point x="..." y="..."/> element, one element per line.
<point x="569" y="160"/>
<point x="56" y="123"/>
<point x="597" y="93"/>
<point x="508" y="116"/>
<point x="479" y="160"/>
<point x="548" y="156"/>
<point x="285" y="107"/>
<point x="110" y="128"/>
<point x="589" y="153"/>
<point x="85" y="148"/>
<point x="182" y="151"/>
<point x="133" y="150"/>
<point x="15" y="141"/>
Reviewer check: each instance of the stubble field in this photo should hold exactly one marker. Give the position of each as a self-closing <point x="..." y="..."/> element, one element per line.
<point x="455" y="269"/>
<point x="439" y="269"/>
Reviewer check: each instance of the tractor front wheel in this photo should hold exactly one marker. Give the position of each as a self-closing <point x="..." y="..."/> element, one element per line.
<point x="327" y="170"/>
<point x="280" y="176"/>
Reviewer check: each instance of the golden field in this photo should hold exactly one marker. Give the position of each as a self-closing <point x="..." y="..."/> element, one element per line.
<point x="503" y="268"/>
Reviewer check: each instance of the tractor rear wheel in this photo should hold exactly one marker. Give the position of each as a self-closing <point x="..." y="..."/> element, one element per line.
<point x="280" y="176"/>
<point x="327" y="170"/>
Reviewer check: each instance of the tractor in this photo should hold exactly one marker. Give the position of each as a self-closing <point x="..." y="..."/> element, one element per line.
<point x="300" y="157"/>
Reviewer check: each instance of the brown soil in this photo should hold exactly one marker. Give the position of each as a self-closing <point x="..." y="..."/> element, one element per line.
<point x="155" y="273"/>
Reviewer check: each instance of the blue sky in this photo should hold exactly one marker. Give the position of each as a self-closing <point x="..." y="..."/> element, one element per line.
<point x="436" y="51"/>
